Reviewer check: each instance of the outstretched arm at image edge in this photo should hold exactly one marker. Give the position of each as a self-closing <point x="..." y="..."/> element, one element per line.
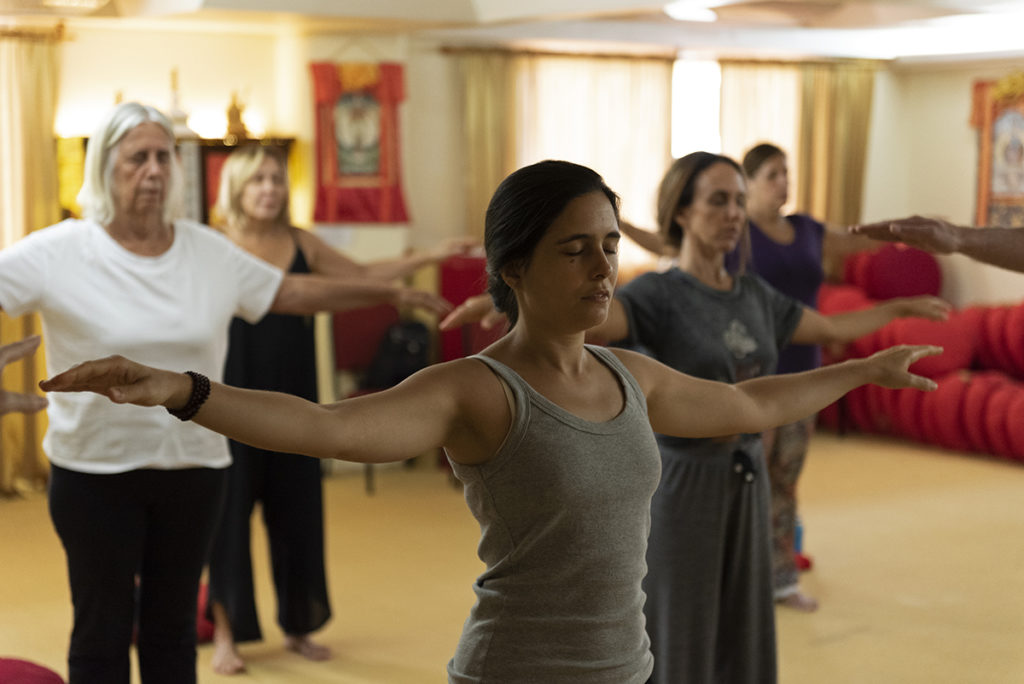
<point x="1003" y="247"/>
<point x="685" y="406"/>
<point x="17" y="402"/>
<point x="392" y="425"/>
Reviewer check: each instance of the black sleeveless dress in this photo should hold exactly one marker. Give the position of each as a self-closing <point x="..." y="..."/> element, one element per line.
<point x="275" y="354"/>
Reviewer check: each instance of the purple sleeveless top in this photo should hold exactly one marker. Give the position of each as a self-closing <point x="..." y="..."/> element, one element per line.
<point x="795" y="270"/>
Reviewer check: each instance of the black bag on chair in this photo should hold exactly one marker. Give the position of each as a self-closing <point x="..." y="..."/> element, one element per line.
<point x="404" y="350"/>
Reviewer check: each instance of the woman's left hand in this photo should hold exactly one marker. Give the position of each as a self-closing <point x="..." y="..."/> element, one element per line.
<point x="889" y="367"/>
<point x="123" y="382"/>
<point x="462" y="246"/>
<point x="926" y="306"/>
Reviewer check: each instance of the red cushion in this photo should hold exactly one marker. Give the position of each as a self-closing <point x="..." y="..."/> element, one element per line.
<point x="908" y="413"/>
<point x="865" y="346"/>
<point x="858" y="404"/>
<point x="996" y="411"/>
<point x="942" y="411"/>
<point x="980" y="387"/>
<point x="900" y="271"/>
<point x="461" y="277"/>
<point x="839" y="298"/>
<point x="953" y="335"/>
<point x="16" y="671"/>
<point x="1013" y="338"/>
<point x="994" y="336"/>
<point x="979" y="316"/>
<point x="887" y="406"/>
<point x="855" y="268"/>
<point x="829" y="416"/>
<point x="1015" y="426"/>
<point x="204" y="627"/>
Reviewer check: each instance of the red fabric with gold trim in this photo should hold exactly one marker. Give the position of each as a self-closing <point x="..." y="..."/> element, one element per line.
<point x="357" y="154"/>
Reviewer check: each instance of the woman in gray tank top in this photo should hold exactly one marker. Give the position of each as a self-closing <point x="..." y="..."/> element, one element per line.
<point x="551" y="437"/>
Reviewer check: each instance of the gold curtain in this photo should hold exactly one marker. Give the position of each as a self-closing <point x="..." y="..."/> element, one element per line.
<point x="489" y="128"/>
<point x="836" y="114"/>
<point x="28" y="200"/>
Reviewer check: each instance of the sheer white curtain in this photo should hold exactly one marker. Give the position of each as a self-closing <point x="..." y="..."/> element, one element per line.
<point x="761" y="102"/>
<point x="609" y="113"/>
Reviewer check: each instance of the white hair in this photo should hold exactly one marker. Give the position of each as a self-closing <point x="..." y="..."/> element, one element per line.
<point x="96" y="196"/>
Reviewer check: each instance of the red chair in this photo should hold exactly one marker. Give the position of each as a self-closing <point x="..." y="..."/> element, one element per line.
<point x="357" y="335"/>
<point x="461" y="278"/>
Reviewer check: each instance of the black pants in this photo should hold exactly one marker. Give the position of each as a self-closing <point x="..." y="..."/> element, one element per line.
<point x="154" y="525"/>
<point x="290" y="491"/>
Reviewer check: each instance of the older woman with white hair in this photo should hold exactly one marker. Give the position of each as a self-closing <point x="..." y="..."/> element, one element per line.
<point x="133" y="494"/>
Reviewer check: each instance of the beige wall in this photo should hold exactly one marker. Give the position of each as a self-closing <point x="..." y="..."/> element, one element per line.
<point x="923" y="158"/>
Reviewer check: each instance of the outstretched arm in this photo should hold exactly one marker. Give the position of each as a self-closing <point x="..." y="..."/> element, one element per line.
<point x="685" y="406"/>
<point x="326" y="260"/>
<point x="14" y="402"/>
<point x="1003" y="247"/>
<point x="816" y="328"/>
<point x="476" y="309"/>
<point x="648" y="239"/>
<point x="481" y="309"/>
<point x="442" y="405"/>
<point x="304" y="294"/>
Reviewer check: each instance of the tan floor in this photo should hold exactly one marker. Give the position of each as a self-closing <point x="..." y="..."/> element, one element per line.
<point x="919" y="566"/>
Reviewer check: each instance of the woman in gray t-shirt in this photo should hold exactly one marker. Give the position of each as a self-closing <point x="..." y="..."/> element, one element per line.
<point x="710" y="611"/>
<point x="552" y="437"/>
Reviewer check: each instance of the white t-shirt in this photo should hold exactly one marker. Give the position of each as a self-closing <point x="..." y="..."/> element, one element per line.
<point x="170" y="311"/>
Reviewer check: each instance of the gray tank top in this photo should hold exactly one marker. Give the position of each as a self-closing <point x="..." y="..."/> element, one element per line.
<point x="564" y="513"/>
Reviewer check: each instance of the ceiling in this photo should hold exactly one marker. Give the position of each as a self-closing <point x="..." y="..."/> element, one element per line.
<point x="883" y="29"/>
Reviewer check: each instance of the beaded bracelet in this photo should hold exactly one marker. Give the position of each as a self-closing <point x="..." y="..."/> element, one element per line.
<point x="200" y="393"/>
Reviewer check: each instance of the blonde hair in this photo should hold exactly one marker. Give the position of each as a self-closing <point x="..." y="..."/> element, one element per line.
<point x="96" y="196"/>
<point x="239" y="167"/>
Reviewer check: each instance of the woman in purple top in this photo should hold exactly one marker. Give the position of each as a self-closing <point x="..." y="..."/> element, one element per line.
<point x="787" y="251"/>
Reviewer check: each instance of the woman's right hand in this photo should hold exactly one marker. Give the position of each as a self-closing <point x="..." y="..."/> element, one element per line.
<point x="15" y="402"/>
<point x="890" y="367"/>
<point x="478" y="309"/>
<point x="408" y="297"/>
<point x="124" y="382"/>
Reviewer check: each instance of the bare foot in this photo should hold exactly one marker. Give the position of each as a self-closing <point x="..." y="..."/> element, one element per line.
<point x="226" y="660"/>
<point x="799" y="601"/>
<point x="306" y="647"/>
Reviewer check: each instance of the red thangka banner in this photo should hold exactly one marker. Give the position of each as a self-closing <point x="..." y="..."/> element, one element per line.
<point x="358" y="173"/>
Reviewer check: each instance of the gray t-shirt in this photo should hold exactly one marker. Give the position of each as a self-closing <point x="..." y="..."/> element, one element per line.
<point x="724" y="336"/>
<point x="564" y="513"/>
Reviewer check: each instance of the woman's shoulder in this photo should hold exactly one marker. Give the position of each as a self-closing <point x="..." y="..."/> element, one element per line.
<point x="802" y="221"/>
<point x="207" y="238"/>
<point x="58" y="234"/>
